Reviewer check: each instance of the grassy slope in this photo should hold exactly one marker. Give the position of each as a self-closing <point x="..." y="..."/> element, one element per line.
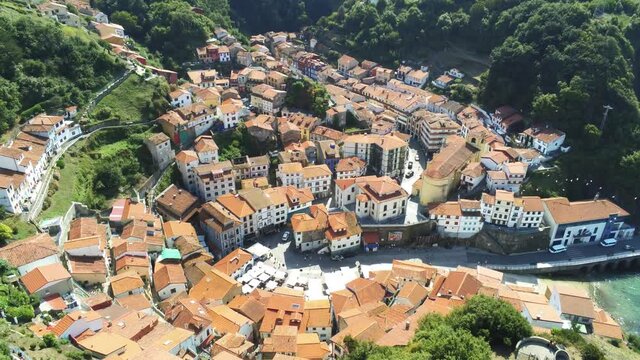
<point x="22" y="228"/>
<point x="22" y="337"/>
<point x="75" y="183"/>
<point x="128" y="101"/>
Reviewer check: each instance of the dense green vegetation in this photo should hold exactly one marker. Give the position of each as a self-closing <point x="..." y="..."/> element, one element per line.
<point x="170" y="28"/>
<point x="14" y="301"/>
<point x="307" y="95"/>
<point x="466" y="333"/>
<point x="260" y="16"/>
<point x="236" y="143"/>
<point x="134" y="100"/>
<point x="42" y="67"/>
<point x="558" y="61"/>
<point x="109" y="163"/>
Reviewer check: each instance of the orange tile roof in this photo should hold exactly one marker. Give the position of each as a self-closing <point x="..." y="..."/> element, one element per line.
<point x="233" y="261"/>
<point x="249" y="307"/>
<point x="565" y="212"/>
<point x="168" y="274"/>
<point x="136" y="302"/>
<point x="452" y="157"/>
<point x="235" y="204"/>
<point x="42" y="276"/>
<point x="214" y="287"/>
<point x="125" y="282"/>
<point x="460" y="284"/>
<point x="31" y="249"/>
<point x="226" y="320"/>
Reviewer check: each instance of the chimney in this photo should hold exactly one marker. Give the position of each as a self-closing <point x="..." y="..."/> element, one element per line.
<point x="406" y="325"/>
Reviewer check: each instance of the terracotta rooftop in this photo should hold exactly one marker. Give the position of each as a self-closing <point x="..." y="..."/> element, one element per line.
<point x="233" y="261"/>
<point x="565" y="212"/>
<point x="31" y="249"/>
<point x="42" y="276"/>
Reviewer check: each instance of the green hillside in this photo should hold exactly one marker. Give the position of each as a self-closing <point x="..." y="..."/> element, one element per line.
<point x="45" y="66"/>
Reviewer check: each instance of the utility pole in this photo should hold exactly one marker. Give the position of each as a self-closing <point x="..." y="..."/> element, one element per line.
<point x="604" y="117"/>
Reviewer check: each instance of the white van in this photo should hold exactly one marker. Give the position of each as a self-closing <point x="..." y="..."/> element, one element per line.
<point x="608" y="242"/>
<point x="556" y="249"/>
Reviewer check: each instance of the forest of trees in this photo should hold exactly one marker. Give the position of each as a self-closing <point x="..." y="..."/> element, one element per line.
<point x="466" y="333"/>
<point x="42" y="68"/>
<point x="559" y="62"/>
<point x="170" y="29"/>
<point x="259" y="16"/>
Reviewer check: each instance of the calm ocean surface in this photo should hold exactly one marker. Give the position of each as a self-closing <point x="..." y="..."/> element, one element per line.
<point x="618" y="294"/>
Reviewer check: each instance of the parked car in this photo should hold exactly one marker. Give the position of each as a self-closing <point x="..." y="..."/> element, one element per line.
<point x="408" y="174"/>
<point x="285" y="236"/>
<point x="608" y="242"/>
<point x="556" y="249"/>
<point x="337" y="258"/>
<point x="417" y="158"/>
<point x="410" y="165"/>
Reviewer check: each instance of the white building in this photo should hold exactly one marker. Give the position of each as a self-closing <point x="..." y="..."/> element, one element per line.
<point x="433" y="128"/>
<point x="379" y="198"/>
<point x="457" y="219"/>
<point x="206" y="149"/>
<point x="159" y="146"/>
<point x="180" y="97"/>
<point x="544" y="139"/>
<point x="504" y="209"/>
<point x="472" y="175"/>
<point x="350" y="168"/>
<point x="509" y="178"/>
<point x="213" y="180"/>
<point x="187" y="161"/>
<point x="584" y="221"/>
<point x="318" y="179"/>
<point x="290" y="174"/>
<point x="343" y="233"/>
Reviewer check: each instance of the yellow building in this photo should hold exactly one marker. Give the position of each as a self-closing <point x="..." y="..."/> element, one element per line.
<point x="442" y="174"/>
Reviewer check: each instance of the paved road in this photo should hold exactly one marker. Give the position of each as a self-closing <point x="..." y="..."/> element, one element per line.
<point x="284" y="253"/>
<point x="573" y="253"/>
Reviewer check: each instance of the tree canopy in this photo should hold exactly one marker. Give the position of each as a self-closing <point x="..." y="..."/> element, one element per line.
<point x="171" y="28"/>
<point x="466" y="333"/>
<point x="43" y="68"/>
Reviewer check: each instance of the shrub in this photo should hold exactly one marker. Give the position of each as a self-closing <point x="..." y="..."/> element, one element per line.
<point x="591" y="352"/>
<point x="50" y="340"/>
<point x="60" y="163"/>
<point x="33" y="346"/>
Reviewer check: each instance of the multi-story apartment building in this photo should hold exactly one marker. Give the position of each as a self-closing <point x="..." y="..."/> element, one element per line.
<point x="510" y="177"/>
<point x="290" y="174"/>
<point x="379" y="198"/>
<point x="505" y="209"/>
<point x="206" y="149"/>
<point x="185" y="124"/>
<point x="266" y="99"/>
<point x="385" y="154"/>
<point x="433" y="128"/>
<point x="350" y="168"/>
<point x="317" y="178"/>
<point x="159" y="146"/>
<point x="457" y="219"/>
<point x="187" y="161"/>
<point x="246" y="167"/>
<point x="224" y="231"/>
<point x="576" y="222"/>
<point x="213" y="180"/>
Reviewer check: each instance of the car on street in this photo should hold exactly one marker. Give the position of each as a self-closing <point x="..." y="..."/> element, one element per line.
<point x="608" y="242"/>
<point x="417" y="158"/>
<point x="285" y="236"/>
<point x="408" y="174"/>
<point x="556" y="249"/>
<point x="337" y="258"/>
<point x="410" y="165"/>
<point x="629" y="247"/>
